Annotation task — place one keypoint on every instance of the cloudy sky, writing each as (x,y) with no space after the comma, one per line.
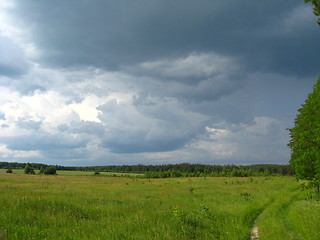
(101,82)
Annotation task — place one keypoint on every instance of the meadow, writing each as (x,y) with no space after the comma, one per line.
(76,206)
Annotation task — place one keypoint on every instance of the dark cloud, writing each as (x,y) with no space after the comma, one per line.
(65,156)
(29,124)
(209,90)
(190,69)
(110,34)
(147,128)
(83,127)
(197,77)
(142,100)
(43,142)
(146,81)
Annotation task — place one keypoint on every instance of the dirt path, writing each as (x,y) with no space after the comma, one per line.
(281,205)
(254,233)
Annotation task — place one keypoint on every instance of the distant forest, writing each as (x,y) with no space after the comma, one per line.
(172,170)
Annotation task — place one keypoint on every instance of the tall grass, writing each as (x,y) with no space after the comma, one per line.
(88,207)
(304,219)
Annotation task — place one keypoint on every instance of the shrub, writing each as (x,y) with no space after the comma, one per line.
(9,171)
(28,169)
(96,173)
(50,171)
(41,170)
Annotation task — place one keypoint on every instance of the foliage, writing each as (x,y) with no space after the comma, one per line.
(28,169)
(41,170)
(305,138)
(172,170)
(316,8)
(16,165)
(189,170)
(50,171)
(96,173)
(9,171)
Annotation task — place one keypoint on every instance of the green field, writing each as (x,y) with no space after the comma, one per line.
(90,207)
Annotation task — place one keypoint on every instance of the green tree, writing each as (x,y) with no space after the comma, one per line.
(41,170)
(28,169)
(50,171)
(305,138)
(316,8)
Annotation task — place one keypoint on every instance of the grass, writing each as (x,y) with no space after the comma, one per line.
(301,214)
(87,207)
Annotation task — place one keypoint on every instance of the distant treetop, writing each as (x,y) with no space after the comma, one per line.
(316,8)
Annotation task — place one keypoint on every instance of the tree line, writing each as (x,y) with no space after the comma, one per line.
(36,166)
(170,170)
(204,169)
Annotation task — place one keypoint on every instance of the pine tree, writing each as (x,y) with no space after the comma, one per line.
(305,138)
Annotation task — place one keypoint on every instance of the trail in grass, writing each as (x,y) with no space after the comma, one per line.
(271,221)
(254,233)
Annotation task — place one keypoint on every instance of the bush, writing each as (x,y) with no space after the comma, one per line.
(9,171)
(96,173)
(28,169)
(41,170)
(50,171)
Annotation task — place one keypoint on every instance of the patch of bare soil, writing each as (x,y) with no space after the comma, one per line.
(254,233)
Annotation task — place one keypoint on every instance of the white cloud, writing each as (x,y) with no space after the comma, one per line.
(7,4)
(87,109)
(8,154)
(50,108)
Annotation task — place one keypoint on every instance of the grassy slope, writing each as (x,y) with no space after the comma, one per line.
(87,207)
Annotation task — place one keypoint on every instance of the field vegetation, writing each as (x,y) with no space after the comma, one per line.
(165,171)
(103,207)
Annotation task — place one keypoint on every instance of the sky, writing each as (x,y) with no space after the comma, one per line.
(109,82)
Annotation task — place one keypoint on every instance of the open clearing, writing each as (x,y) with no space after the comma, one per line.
(90,207)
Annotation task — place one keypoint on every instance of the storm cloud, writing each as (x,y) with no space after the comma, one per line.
(109,82)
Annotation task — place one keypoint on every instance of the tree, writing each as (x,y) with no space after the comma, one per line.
(316,8)
(50,171)
(28,169)
(305,139)
(41,170)
(9,170)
